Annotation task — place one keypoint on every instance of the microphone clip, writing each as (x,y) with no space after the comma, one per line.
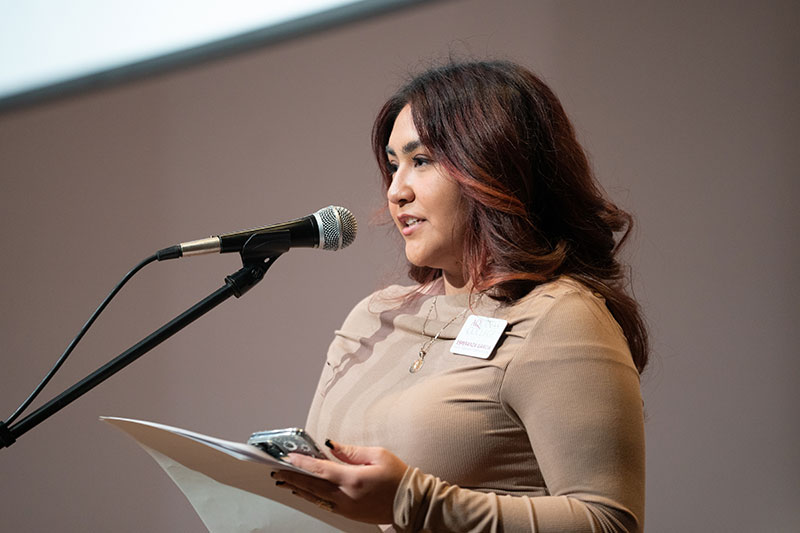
(262,246)
(258,254)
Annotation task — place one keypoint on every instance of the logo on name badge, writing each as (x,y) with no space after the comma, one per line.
(478,337)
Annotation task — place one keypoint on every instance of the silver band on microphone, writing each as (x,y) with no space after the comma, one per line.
(320,228)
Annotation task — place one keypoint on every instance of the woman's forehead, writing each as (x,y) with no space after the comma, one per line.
(404,136)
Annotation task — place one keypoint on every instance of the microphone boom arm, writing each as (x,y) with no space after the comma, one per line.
(258,254)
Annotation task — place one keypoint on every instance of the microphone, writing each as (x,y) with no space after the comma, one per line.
(330,228)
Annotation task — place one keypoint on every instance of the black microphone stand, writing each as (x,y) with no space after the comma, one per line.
(258,254)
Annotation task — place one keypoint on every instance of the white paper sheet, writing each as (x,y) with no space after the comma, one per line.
(228,483)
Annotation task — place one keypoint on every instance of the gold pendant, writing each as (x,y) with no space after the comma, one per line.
(416,365)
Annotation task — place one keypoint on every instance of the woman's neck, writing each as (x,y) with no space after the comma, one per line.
(455,284)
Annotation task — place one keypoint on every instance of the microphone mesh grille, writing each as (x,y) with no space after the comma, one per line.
(339,227)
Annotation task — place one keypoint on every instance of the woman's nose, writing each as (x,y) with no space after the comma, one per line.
(400,191)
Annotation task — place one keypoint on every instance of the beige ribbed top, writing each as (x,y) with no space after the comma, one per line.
(546,435)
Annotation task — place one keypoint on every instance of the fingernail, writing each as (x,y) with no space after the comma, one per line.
(329,444)
(279,483)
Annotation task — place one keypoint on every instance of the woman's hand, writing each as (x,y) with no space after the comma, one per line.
(362,489)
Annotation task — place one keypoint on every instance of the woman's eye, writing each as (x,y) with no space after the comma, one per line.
(421,161)
(391,167)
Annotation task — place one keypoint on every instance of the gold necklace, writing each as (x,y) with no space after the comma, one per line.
(423,350)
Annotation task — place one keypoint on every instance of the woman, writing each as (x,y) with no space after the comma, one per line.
(534,424)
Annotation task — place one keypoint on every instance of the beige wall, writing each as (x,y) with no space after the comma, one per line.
(689,111)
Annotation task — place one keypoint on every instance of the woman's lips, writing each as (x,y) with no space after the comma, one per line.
(408,230)
(409,224)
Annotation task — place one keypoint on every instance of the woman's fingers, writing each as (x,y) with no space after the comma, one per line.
(354,455)
(321,487)
(321,502)
(327,470)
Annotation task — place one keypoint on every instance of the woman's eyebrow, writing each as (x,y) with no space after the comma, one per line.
(407,148)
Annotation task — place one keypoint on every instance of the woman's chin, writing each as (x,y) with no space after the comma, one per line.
(414,256)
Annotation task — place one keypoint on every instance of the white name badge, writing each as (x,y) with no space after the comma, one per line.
(478,336)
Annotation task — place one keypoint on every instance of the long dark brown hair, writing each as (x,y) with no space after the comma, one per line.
(534,210)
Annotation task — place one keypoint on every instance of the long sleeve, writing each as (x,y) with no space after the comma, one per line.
(573,387)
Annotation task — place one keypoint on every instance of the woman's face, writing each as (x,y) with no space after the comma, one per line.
(424,202)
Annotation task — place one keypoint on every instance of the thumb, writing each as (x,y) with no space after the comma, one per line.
(352,455)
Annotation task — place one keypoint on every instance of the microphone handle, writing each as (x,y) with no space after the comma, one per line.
(303,233)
